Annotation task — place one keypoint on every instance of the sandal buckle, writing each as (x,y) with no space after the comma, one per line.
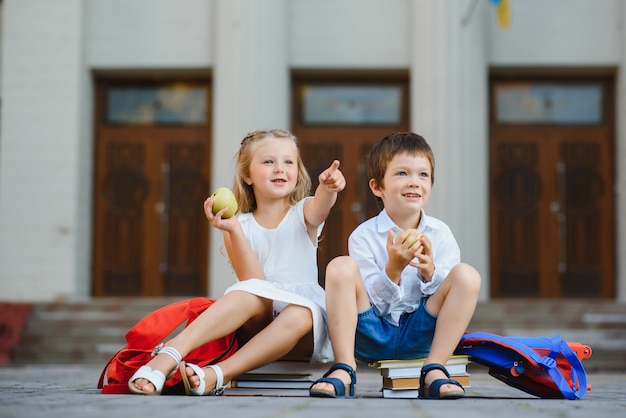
(216,392)
(156,350)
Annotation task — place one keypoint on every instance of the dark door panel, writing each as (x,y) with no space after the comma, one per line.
(551,200)
(152,175)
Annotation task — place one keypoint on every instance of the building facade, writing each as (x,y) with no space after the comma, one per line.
(118,117)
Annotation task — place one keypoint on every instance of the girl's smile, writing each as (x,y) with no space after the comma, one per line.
(274,168)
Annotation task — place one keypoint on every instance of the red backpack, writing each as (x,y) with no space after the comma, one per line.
(150,331)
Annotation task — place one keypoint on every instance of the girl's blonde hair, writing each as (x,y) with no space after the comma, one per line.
(243,192)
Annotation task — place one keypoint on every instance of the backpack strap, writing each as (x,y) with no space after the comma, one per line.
(104,370)
(579,377)
(196,306)
(548,362)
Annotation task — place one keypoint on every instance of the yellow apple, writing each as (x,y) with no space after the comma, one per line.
(413,235)
(223,197)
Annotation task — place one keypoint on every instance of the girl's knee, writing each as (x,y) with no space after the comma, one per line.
(297,317)
(243,296)
(254,304)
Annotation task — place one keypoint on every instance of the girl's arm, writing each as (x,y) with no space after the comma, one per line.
(316,210)
(244,260)
(242,257)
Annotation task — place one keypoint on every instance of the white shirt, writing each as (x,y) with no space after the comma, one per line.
(367,244)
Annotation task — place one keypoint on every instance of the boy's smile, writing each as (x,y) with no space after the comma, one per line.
(406,186)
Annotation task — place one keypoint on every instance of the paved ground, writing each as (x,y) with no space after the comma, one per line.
(70,391)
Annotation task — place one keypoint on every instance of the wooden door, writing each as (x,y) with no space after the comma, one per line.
(152,170)
(551,200)
(347,135)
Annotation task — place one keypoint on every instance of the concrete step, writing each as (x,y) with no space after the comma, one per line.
(90,332)
(87,332)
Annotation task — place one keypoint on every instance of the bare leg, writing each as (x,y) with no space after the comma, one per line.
(345,298)
(273,342)
(226,315)
(453,304)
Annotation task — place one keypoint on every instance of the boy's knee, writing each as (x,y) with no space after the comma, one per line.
(340,269)
(468,276)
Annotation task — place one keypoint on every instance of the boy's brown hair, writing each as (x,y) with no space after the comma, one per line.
(397,143)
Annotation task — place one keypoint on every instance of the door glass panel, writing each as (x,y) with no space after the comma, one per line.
(176,104)
(549,103)
(351,105)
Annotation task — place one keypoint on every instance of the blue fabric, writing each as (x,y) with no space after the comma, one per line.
(542,366)
(377,339)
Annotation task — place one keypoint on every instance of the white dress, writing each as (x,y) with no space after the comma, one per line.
(289,261)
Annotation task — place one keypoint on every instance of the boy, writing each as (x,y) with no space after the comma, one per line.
(402,292)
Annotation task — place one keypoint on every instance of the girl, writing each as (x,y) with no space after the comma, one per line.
(277,301)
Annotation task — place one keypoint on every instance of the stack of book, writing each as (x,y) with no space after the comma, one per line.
(263,382)
(401,378)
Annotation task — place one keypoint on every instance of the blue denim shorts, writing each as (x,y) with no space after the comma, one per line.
(377,339)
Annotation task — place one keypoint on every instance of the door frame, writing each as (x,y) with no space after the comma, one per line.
(559,76)
(343,218)
(105,79)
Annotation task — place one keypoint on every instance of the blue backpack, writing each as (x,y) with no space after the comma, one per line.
(547,367)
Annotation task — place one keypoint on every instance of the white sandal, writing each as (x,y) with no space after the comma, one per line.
(156,377)
(199,391)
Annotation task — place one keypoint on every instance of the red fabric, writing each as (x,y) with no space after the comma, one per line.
(151,331)
(13,317)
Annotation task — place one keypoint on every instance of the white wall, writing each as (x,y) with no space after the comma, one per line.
(1,48)
(449,107)
(41,135)
(349,34)
(149,33)
(620,163)
(559,32)
(251,91)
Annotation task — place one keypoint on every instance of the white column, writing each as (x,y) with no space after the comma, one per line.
(251,91)
(620,163)
(44,156)
(449,107)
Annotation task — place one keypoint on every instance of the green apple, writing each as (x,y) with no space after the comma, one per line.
(413,235)
(223,197)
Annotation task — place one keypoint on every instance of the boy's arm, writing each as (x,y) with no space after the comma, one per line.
(382,292)
(446,254)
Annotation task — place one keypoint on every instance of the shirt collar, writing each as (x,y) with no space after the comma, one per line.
(385,223)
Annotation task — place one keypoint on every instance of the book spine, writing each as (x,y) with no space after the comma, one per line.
(414,383)
(455,369)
